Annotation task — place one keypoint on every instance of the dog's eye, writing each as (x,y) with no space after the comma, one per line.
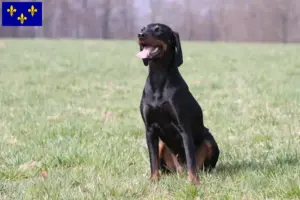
(156,29)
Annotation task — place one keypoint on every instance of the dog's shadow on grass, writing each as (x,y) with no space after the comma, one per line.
(244,166)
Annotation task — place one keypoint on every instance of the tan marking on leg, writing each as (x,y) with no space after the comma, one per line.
(178,166)
(193,177)
(169,158)
(204,152)
(155,176)
(166,155)
(161,146)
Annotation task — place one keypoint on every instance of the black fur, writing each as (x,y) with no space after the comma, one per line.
(169,110)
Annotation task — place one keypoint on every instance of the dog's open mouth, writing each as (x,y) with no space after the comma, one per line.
(151,51)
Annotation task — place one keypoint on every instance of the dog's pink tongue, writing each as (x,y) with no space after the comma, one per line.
(145,53)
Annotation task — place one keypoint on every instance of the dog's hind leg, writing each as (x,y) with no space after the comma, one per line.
(168,161)
(207,154)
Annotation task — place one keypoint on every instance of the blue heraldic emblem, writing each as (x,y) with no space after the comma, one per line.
(22,13)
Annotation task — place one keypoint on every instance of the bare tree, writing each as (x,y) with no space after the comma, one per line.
(189,19)
(285,13)
(155,9)
(106,5)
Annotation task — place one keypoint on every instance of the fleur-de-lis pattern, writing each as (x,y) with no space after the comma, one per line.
(22,14)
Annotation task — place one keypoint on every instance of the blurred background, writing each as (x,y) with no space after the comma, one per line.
(205,20)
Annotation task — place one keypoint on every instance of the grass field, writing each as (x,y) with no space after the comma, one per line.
(70,108)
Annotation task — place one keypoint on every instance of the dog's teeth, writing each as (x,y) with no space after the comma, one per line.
(155,50)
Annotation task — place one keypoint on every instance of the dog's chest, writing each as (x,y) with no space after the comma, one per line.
(169,131)
(157,98)
(156,101)
(160,113)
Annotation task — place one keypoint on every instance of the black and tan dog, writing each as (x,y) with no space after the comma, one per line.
(175,132)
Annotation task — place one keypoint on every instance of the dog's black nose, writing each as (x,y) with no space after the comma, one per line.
(142,35)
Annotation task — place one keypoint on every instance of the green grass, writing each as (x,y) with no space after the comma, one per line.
(71,108)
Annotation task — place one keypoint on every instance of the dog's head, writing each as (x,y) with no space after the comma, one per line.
(159,42)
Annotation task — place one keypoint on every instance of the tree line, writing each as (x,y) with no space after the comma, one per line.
(205,20)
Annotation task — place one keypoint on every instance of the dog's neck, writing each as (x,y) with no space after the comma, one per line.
(159,74)
(159,66)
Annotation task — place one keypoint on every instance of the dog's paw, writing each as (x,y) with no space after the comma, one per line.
(155,178)
(194,180)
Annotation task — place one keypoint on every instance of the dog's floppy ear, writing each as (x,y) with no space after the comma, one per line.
(145,61)
(178,52)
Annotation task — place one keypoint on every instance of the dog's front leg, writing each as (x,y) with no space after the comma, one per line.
(189,149)
(152,143)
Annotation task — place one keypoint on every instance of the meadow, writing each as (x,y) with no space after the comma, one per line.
(70,125)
